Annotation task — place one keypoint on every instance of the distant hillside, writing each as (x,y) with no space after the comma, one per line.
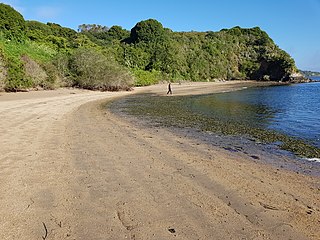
(38,55)
(310,73)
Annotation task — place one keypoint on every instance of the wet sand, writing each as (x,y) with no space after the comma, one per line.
(70,169)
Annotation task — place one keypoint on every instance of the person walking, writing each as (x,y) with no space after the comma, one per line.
(169,89)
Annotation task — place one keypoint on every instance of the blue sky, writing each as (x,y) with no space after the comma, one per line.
(294,25)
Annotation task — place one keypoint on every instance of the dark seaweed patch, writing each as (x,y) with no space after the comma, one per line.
(175,111)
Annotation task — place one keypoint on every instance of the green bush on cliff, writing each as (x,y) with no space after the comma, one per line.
(51,34)
(13,53)
(235,53)
(12,24)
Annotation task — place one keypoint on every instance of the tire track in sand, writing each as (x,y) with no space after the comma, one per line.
(31,144)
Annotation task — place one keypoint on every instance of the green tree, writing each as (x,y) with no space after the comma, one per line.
(92,28)
(104,36)
(146,31)
(12,23)
(117,33)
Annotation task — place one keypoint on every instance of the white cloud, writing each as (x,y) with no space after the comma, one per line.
(48,12)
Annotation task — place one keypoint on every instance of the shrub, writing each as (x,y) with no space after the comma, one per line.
(3,72)
(34,72)
(146,78)
(44,76)
(53,79)
(61,65)
(93,70)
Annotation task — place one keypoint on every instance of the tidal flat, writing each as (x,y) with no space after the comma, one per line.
(176,113)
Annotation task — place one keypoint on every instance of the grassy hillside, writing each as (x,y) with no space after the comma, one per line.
(38,55)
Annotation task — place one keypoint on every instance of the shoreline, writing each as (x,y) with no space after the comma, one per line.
(201,88)
(244,141)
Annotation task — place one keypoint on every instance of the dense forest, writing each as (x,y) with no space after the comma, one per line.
(34,55)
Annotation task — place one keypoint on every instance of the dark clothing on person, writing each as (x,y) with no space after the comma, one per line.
(169,89)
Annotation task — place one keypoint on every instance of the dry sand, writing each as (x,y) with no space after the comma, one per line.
(71,170)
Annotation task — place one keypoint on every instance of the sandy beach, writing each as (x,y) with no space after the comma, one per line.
(70,169)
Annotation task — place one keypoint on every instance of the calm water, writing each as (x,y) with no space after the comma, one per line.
(293,110)
(316,78)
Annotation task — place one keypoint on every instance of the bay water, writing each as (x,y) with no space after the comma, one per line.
(291,109)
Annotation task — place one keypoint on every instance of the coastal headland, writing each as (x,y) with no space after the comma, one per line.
(71,169)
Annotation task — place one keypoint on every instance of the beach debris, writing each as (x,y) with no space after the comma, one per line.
(230,149)
(171,230)
(46,231)
(266,206)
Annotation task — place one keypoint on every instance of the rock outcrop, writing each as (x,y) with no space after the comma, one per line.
(298,78)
